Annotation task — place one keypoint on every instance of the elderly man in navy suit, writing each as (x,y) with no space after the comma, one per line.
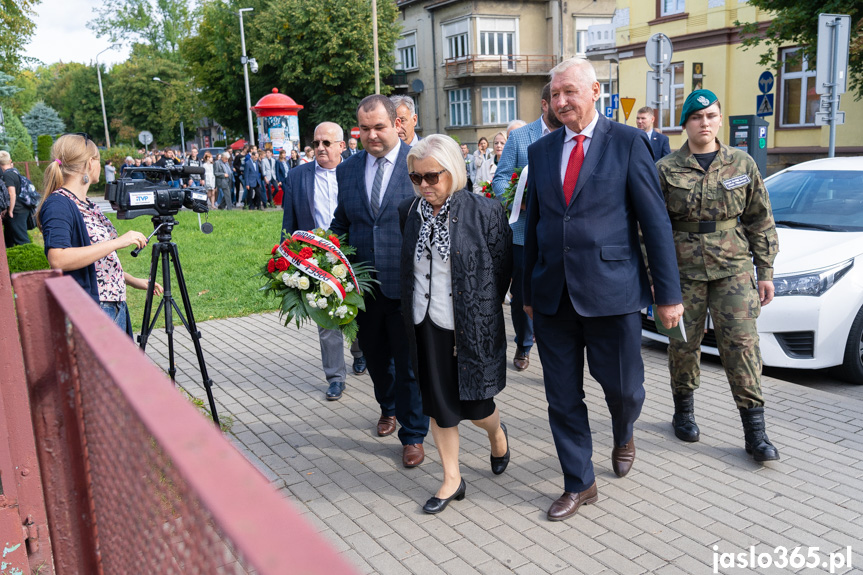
(310,196)
(591,186)
(372,184)
(644,119)
(515,156)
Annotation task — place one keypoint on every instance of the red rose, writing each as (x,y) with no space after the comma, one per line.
(306,253)
(514,177)
(282,265)
(271,266)
(335,241)
(489,195)
(286,244)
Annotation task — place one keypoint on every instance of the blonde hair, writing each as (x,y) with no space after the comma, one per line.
(69,156)
(446,152)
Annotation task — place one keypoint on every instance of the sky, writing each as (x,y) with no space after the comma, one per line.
(62,34)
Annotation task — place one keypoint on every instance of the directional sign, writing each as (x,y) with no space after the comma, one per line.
(658,51)
(627,104)
(834,33)
(765,82)
(764,105)
(609,112)
(145,138)
(615,101)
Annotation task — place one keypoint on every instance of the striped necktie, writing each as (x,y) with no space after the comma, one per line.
(376,186)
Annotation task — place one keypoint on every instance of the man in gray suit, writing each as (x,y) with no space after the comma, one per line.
(309,201)
(224,172)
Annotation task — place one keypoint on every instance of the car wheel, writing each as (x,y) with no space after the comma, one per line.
(851,369)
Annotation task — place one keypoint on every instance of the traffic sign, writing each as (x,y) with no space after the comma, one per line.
(609,111)
(145,138)
(655,90)
(627,104)
(834,34)
(764,104)
(765,82)
(615,101)
(355,132)
(658,51)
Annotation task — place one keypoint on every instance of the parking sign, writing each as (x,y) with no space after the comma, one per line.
(609,111)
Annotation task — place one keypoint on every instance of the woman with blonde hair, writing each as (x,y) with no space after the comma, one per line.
(485,172)
(456,262)
(79,239)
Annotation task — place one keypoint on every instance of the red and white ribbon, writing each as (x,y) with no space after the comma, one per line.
(314,271)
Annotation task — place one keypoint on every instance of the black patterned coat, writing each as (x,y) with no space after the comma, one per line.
(481,258)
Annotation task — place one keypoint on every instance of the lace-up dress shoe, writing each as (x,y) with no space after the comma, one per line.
(622,458)
(359,365)
(567,504)
(521,361)
(436,505)
(498,464)
(335,391)
(413,455)
(386,425)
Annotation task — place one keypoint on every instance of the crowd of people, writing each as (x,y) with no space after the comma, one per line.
(600,202)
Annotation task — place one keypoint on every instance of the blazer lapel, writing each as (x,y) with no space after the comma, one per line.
(309,187)
(597,147)
(399,174)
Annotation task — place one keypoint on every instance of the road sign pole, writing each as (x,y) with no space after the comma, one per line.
(834,79)
(659,91)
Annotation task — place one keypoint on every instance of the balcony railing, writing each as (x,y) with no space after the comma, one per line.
(477,65)
(397,78)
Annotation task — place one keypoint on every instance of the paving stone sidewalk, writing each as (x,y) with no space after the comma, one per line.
(681,507)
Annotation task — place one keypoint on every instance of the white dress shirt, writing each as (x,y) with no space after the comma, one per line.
(371,170)
(433,289)
(326,196)
(569,143)
(545,129)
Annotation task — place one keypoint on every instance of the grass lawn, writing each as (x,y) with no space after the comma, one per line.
(220,268)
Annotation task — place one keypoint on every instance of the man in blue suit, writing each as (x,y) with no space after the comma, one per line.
(591,186)
(253,181)
(372,184)
(644,119)
(515,156)
(310,196)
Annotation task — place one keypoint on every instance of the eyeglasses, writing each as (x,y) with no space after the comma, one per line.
(326,143)
(431,178)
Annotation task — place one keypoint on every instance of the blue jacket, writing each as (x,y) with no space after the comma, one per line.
(298,200)
(281,172)
(63,227)
(252,174)
(591,246)
(378,240)
(659,145)
(515,154)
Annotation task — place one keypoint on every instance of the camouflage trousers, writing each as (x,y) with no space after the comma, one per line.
(734,306)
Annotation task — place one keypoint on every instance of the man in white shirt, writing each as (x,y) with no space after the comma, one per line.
(659,145)
(310,197)
(268,171)
(406,111)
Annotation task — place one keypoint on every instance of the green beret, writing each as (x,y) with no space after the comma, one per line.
(697,100)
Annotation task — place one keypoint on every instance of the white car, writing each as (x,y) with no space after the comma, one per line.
(816,319)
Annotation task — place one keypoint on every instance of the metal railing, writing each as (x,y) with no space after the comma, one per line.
(495,65)
(135,479)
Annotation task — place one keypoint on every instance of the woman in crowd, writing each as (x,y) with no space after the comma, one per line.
(282,169)
(79,239)
(485,172)
(294,161)
(482,152)
(209,179)
(309,155)
(455,268)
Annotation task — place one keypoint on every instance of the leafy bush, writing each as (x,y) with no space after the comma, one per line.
(43,146)
(26,258)
(22,151)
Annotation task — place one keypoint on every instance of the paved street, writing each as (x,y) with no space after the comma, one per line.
(680,507)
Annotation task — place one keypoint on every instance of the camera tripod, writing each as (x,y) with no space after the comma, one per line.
(166,251)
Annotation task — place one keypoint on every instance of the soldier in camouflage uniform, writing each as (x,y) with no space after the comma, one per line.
(721,217)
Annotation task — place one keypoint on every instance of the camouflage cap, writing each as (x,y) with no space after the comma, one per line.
(697,100)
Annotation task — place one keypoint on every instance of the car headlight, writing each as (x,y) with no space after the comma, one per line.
(812,283)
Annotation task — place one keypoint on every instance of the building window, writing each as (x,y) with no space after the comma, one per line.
(456,36)
(496,43)
(671,110)
(498,105)
(799,100)
(604,97)
(580,41)
(671,7)
(406,52)
(458,46)
(459,107)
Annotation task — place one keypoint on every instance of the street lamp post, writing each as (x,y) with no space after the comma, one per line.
(245,62)
(182,130)
(102,94)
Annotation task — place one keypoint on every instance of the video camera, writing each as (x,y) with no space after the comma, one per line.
(152,191)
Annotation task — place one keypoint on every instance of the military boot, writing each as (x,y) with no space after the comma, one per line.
(755,435)
(683,421)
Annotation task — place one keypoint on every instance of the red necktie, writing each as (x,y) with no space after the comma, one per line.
(576,158)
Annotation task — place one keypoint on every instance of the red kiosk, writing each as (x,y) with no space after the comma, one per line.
(278,126)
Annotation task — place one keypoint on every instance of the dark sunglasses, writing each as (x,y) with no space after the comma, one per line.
(431,178)
(326,143)
(84,135)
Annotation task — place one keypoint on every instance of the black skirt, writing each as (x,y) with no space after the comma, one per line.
(437,374)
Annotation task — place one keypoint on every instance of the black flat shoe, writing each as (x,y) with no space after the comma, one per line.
(498,464)
(436,505)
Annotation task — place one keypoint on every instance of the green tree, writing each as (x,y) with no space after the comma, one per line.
(19,142)
(162,24)
(322,52)
(43,146)
(797,22)
(16,28)
(75,95)
(42,119)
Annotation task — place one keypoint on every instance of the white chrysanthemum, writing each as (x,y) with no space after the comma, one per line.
(340,271)
(303,283)
(310,297)
(326,290)
(286,278)
(312,261)
(332,258)
(322,303)
(349,287)
(342,311)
